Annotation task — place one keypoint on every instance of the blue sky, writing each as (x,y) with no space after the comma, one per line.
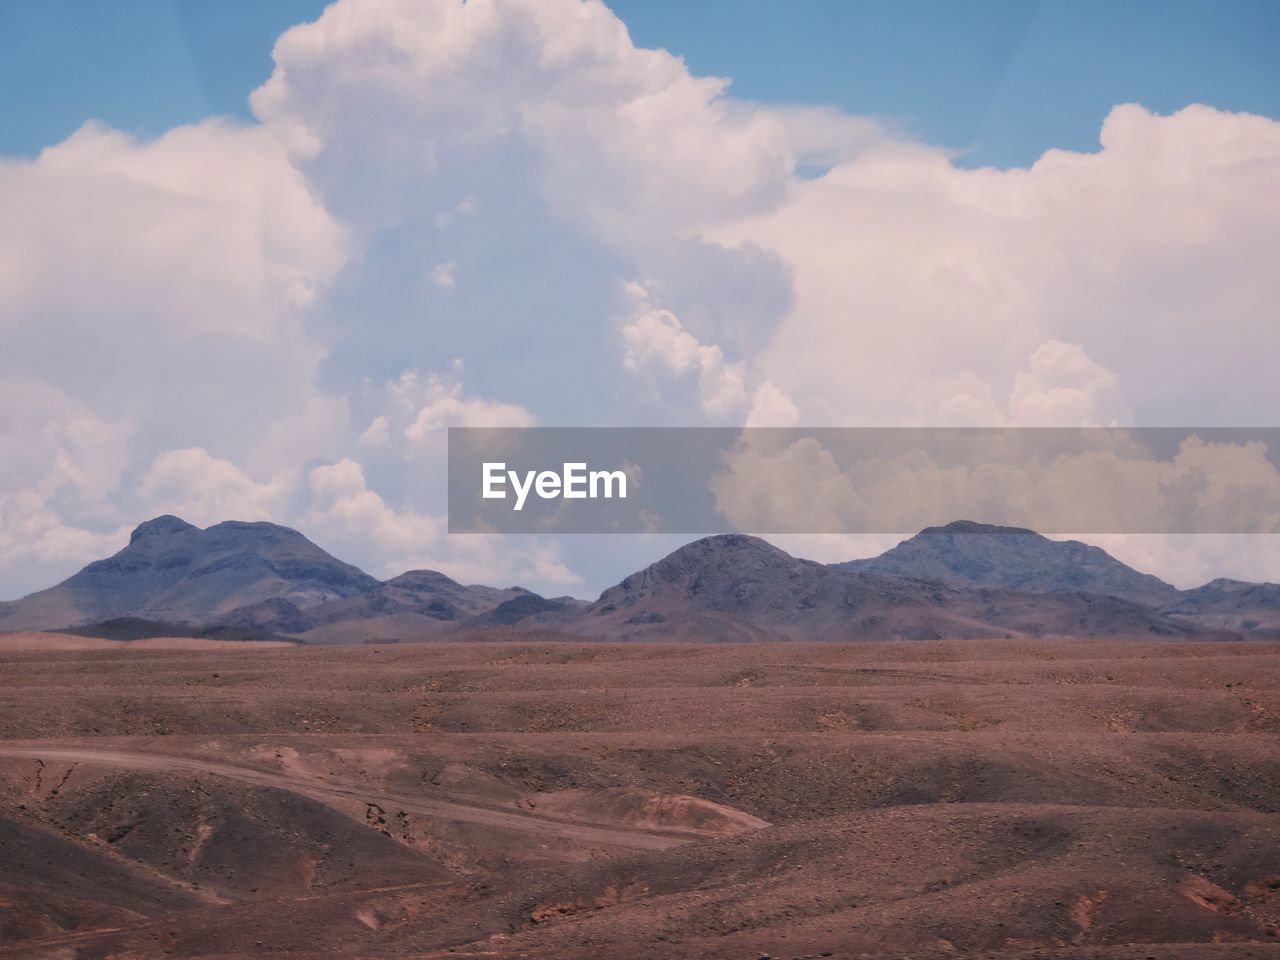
(999,80)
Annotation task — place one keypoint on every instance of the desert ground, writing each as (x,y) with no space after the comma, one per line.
(526,797)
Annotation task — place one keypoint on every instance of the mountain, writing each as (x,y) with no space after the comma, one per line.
(238,579)
(983,555)
(241,580)
(738,587)
(1230,605)
(173,572)
(420,603)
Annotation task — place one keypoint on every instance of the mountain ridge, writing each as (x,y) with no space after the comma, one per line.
(737,587)
(962,580)
(978,554)
(239,575)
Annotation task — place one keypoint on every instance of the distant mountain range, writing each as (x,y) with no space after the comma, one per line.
(240,580)
(738,587)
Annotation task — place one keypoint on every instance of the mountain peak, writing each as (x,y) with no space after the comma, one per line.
(174,572)
(973,526)
(160,526)
(985,555)
(737,549)
(723,543)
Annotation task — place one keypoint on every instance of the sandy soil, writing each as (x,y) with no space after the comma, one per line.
(569,800)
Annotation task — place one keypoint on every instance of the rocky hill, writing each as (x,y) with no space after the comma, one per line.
(245,579)
(983,555)
(177,573)
(740,588)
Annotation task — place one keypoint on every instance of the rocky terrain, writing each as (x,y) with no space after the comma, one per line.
(1010,799)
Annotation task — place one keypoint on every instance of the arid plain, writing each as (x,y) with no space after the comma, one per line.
(523,796)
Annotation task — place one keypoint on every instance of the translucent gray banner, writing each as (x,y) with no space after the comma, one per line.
(862,480)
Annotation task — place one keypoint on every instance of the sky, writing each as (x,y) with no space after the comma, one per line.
(258,256)
(1000,81)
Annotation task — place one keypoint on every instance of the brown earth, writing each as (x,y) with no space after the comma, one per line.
(37,641)
(1011,799)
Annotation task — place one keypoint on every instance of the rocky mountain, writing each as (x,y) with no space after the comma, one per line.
(177,573)
(240,580)
(983,555)
(739,588)
(245,579)
(1230,605)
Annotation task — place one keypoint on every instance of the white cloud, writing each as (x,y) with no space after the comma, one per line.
(378,434)
(656,342)
(321,429)
(622,138)
(465,207)
(203,489)
(794,484)
(206,234)
(770,407)
(436,402)
(59,464)
(444,275)
(1063,387)
(35,540)
(344,512)
(1150,256)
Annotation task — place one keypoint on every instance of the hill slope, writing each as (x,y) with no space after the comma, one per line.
(1012,558)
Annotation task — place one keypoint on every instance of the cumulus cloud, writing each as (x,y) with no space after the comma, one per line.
(910,271)
(35,539)
(622,138)
(231,305)
(344,512)
(657,342)
(204,489)
(1063,387)
(770,407)
(1108,481)
(59,463)
(433,402)
(195,252)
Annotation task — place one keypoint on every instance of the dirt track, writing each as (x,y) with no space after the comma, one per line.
(432,807)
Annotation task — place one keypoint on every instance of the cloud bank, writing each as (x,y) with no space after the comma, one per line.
(505,212)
